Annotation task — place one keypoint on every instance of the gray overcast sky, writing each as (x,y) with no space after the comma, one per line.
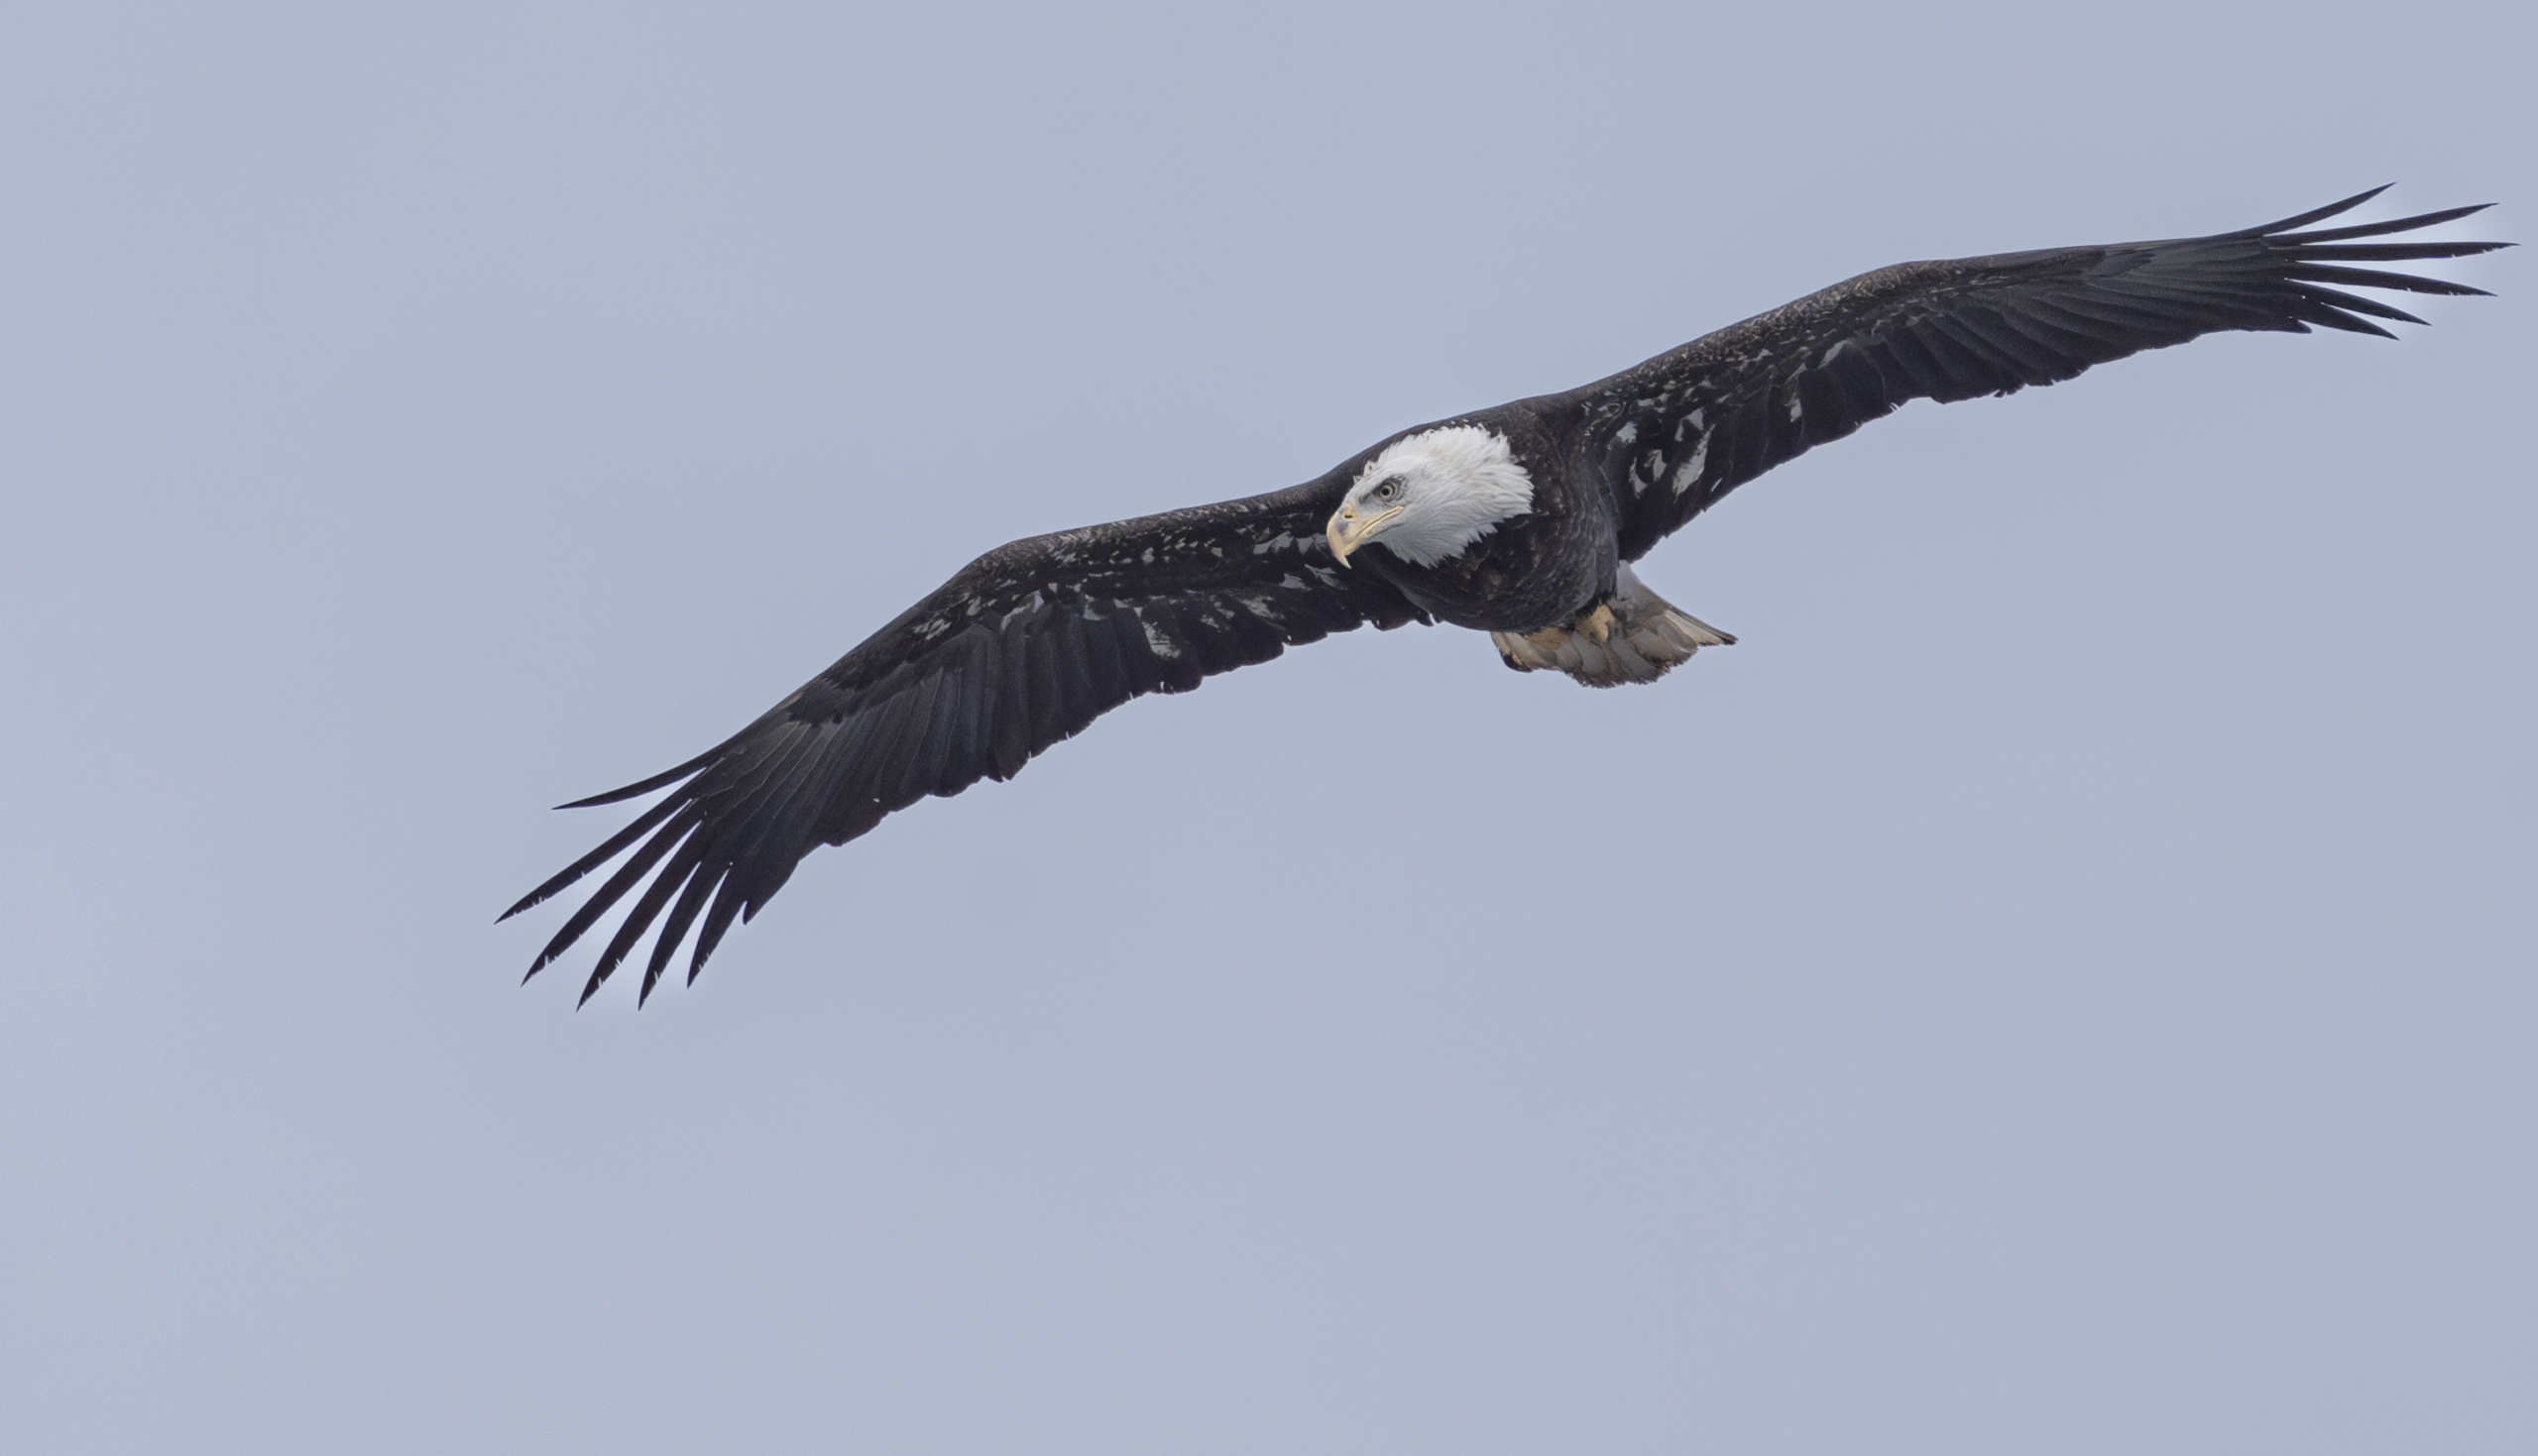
(2062,984)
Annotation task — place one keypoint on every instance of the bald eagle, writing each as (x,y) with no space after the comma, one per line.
(1520,522)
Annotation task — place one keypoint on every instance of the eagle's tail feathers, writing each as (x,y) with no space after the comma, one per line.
(1637,636)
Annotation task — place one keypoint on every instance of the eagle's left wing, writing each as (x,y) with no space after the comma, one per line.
(1026,645)
(1677,433)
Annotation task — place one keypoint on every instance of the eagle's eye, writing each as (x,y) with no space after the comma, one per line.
(1388,488)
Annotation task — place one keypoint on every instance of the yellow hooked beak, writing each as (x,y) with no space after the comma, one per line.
(1348,530)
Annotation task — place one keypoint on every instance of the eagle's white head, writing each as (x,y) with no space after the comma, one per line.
(1427,496)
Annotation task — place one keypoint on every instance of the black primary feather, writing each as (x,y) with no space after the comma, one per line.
(1025,646)
(1675,434)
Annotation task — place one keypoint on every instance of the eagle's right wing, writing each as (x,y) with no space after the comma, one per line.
(1683,429)
(1026,645)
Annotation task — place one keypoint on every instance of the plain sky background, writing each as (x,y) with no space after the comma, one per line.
(2064,984)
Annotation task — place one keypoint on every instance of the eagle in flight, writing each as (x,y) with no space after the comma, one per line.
(1520,522)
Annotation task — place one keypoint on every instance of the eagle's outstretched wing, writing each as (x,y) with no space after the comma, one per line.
(1686,427)
(1025,646)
